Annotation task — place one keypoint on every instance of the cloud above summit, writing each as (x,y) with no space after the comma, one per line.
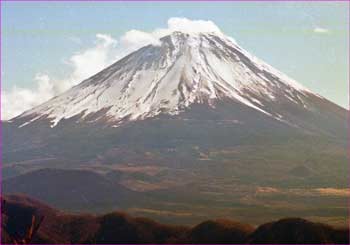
(86,62)
(135,39)
(192,26)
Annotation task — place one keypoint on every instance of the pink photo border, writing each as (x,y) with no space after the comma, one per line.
(218,1)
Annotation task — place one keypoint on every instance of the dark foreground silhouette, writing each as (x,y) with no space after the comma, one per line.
(25,220)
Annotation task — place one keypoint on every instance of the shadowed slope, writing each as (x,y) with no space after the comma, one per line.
(296,230)
(219,231)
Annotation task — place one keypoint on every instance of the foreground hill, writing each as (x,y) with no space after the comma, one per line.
(70,188)
(60,227)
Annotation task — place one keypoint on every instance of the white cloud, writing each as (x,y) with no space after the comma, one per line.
(320,30)
(135,39)
(86,63)
(105,40)
(192,26)
(90,61)
(20,99)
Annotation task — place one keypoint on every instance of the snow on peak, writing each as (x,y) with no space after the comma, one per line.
(185,68)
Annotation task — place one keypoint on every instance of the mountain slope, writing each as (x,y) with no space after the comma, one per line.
(184,69)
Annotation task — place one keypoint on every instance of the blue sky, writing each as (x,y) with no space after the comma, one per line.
(307,41)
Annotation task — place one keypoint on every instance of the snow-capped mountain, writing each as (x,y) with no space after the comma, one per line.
(184,69)
(193,120)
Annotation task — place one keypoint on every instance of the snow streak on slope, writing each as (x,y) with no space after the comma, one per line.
(184,69)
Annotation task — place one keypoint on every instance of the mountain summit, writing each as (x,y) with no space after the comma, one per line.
(185,68)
